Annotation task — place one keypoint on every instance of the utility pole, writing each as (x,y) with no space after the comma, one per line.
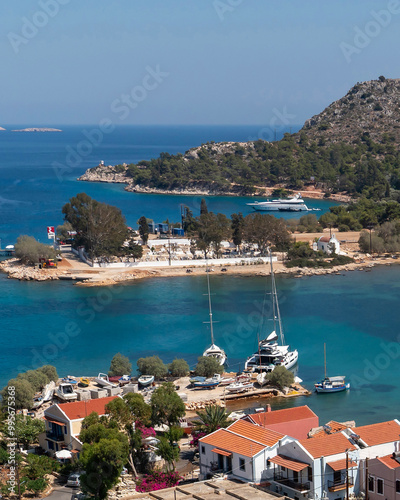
(366,480)
(347,474)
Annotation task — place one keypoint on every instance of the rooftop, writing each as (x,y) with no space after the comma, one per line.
(390,461)
(229,441)
(256,433)
(383,432)
(280,416)
(81,409)
(326,446)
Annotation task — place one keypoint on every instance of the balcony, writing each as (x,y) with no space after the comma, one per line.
(55,437)
(290,483)
(340,483)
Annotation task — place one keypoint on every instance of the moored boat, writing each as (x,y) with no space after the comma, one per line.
(294,204)
(146,380)
(237,387)
(103,380)
(331,384)
(208,382)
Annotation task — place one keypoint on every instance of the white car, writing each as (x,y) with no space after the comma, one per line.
(74,479)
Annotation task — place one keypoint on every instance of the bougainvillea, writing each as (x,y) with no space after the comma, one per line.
(157,480)
(146,431)
(196,435)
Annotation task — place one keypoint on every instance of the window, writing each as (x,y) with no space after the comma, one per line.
(268,464)
(65,429)
(242,464)
(397,486)
(371,484)
(309,473)
(203,449)
(283,469)
(379,486)
(51,445)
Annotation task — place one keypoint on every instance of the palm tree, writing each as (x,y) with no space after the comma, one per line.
(214,417)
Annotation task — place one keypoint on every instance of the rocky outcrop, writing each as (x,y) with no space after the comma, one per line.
(21,272)
(371,107)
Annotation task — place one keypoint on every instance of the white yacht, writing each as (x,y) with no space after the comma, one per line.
(213,351)
(294,204)
(272,351)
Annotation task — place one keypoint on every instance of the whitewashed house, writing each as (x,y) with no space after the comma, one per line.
(329,244)
(242,451)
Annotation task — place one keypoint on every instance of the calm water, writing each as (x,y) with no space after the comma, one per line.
(80,329)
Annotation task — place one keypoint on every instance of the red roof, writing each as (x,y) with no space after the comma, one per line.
(280,416)
(324,239)
(289,463)
(81,409)
(334,427)
(389,461)
(384,432)
(326,446)
(256,433)
(229,441)
(341,464)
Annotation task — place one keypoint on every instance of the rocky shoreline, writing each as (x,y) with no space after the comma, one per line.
(109,174)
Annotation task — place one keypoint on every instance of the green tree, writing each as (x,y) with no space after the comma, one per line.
(119,412)
(36,378)
(166,406)
(212,229)
(29,251)
(212,418)
(189,223)
(178,368)
(27,430)
(168,452)
(23,393)
(139,409)
(281,377)
(50,372)
(237,225)
(266,230)
(143,229)
(100,227)
(152,365)
(36,471)
(63,231)
(203,207)
(207,366)
(134,250)
(120,365)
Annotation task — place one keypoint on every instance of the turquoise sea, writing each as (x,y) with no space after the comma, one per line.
(80,329)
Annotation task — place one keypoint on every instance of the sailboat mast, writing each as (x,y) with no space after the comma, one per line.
(209,305)
(325,358)
(275,303)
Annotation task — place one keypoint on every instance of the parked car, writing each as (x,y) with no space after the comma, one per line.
(74,479)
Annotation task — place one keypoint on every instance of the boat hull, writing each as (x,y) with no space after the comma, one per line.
(269,207)
(327,390)
(145,381)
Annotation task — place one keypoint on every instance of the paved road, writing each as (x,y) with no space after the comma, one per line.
(62,493)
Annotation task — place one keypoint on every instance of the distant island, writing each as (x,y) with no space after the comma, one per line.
(37,130)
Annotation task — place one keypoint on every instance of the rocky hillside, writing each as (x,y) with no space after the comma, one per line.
(372,107)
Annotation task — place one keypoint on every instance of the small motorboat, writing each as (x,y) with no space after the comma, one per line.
(237,387)
(69,380)
(66,392)
(332,384)
(208,383)
(146,380)
(227,380)
(124,379)
(103,380)
(84,382)
(193,380)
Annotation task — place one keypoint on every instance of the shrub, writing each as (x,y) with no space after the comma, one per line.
(152,365)
(281,377)
(178,368)
(207,366)
(30,251)
(157,480)
(120,365)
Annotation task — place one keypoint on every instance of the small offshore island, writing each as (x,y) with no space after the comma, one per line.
(37,130)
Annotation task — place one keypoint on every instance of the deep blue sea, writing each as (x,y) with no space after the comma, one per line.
(80,329)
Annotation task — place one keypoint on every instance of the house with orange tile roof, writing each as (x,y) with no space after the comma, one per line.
(242,451)
(376,440)
(64,421)
(316,467)
(382,477)
(295,422)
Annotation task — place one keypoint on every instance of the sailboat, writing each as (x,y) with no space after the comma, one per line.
(331,384)
(272,351)
(213,351)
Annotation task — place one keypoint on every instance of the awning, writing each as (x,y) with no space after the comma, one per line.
(55,422)
(341,464)
(289,463)
(222,452)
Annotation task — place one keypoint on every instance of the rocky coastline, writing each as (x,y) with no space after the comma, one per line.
(110,174)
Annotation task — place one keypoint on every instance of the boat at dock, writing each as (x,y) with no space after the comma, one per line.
(270,353)
(331,384)
(213,351)
(294,204)
(237,387)
(208,383)
(66,392)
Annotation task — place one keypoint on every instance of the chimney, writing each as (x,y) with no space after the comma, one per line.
(268,408)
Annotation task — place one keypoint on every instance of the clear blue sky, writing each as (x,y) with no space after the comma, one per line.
(228,61)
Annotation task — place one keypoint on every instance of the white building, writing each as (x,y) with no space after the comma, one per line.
(242,451)
(329,244)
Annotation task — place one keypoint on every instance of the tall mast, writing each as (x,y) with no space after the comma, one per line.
(209,305)
(275,303)
(325,358)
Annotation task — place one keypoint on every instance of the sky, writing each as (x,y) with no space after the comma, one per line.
(262,62)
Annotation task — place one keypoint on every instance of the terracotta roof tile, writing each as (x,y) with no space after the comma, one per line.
(327,445)
(389,461)
(81,409)
(341,464)
(335,427)
(281,416)
(259,434)
(289,463)
(383,432)
(228,441)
